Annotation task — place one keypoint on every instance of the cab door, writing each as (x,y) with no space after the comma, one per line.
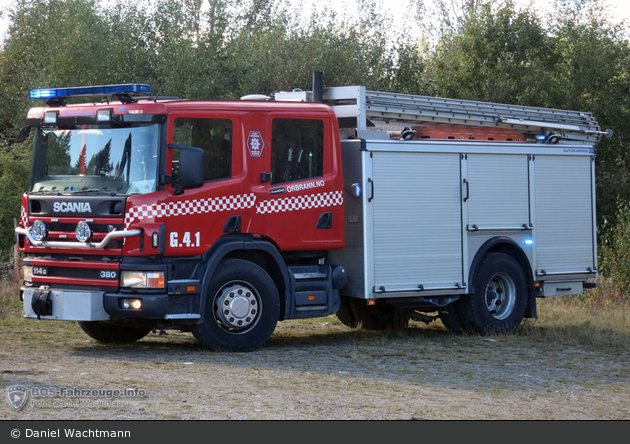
(197,217)
(302,206)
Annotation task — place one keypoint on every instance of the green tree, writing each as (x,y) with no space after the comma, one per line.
(348,50)
(493,52)
(577,59)
(594,75)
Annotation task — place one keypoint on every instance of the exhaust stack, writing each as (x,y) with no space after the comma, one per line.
(318,87)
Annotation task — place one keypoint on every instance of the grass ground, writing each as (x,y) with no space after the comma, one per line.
(569,363)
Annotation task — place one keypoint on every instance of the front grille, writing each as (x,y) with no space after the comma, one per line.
(77,257)
(51,266)
(82,273)
(96,228)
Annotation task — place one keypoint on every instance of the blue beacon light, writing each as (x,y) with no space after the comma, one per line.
(86,91)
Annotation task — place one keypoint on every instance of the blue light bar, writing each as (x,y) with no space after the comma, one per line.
(45,93)
(86,91)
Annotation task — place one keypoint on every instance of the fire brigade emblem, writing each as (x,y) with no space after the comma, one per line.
(255,144)
(17,396)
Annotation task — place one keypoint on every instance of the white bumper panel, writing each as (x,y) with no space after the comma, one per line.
(68,305)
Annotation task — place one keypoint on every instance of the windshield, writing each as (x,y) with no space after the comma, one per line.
(95,159)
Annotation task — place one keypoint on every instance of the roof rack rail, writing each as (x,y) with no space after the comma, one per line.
(360,108)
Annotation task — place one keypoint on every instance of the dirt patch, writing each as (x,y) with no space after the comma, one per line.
(316,369)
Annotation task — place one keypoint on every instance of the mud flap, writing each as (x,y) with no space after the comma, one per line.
(530,310)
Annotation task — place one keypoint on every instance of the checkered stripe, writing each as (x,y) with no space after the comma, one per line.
(186,207)
(24,217)
(330,199)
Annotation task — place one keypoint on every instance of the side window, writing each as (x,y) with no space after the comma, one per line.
(214,136)
(297,149)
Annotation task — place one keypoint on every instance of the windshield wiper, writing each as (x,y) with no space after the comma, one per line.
(93,191)
(46,192)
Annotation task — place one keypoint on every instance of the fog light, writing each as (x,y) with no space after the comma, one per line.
(134,304)
(83,231)
(38,230)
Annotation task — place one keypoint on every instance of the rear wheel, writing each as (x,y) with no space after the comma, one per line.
(500,297)
(345,314)
(451,319)
(242,308)
(113,333)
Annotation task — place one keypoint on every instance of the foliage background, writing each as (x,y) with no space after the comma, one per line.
(489,50)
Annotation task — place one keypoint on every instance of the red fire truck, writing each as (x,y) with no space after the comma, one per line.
(223,218)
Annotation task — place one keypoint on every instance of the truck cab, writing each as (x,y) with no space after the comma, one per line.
(134,203)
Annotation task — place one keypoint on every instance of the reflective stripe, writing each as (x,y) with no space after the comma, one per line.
(24,217)
(329,199)
(195,206)
(239,202)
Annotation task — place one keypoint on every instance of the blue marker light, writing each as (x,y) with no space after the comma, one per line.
(541,137)
(528,242)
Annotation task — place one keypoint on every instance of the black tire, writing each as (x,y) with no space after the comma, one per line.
(499,299)
(451,318)
(345,314)
(113,333)
(250,308)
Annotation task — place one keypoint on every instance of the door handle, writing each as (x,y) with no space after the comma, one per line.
(467,185)
(371,182)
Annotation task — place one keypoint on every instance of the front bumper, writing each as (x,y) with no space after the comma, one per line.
(64,305)
(80,305)
(154,306)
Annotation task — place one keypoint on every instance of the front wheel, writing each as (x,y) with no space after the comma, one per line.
(500,296)
(242,308)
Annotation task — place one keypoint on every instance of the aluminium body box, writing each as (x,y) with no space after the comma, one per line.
(420,213)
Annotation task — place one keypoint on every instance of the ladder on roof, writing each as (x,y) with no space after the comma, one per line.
(355,106)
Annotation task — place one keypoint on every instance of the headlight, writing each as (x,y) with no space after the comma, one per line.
(142,279)
(38,230)
(27,271)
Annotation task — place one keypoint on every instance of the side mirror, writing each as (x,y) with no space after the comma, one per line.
(24,133)
(191,162)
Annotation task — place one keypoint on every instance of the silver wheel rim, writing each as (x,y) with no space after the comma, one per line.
(237,307)
(500,296)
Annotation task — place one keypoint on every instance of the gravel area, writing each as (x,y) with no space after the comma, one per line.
(311,370)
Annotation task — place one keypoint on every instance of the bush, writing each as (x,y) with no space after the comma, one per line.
(10,305)
(615,254)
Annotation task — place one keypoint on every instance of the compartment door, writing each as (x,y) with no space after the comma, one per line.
(417,221)
(497,192)
(565,239)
